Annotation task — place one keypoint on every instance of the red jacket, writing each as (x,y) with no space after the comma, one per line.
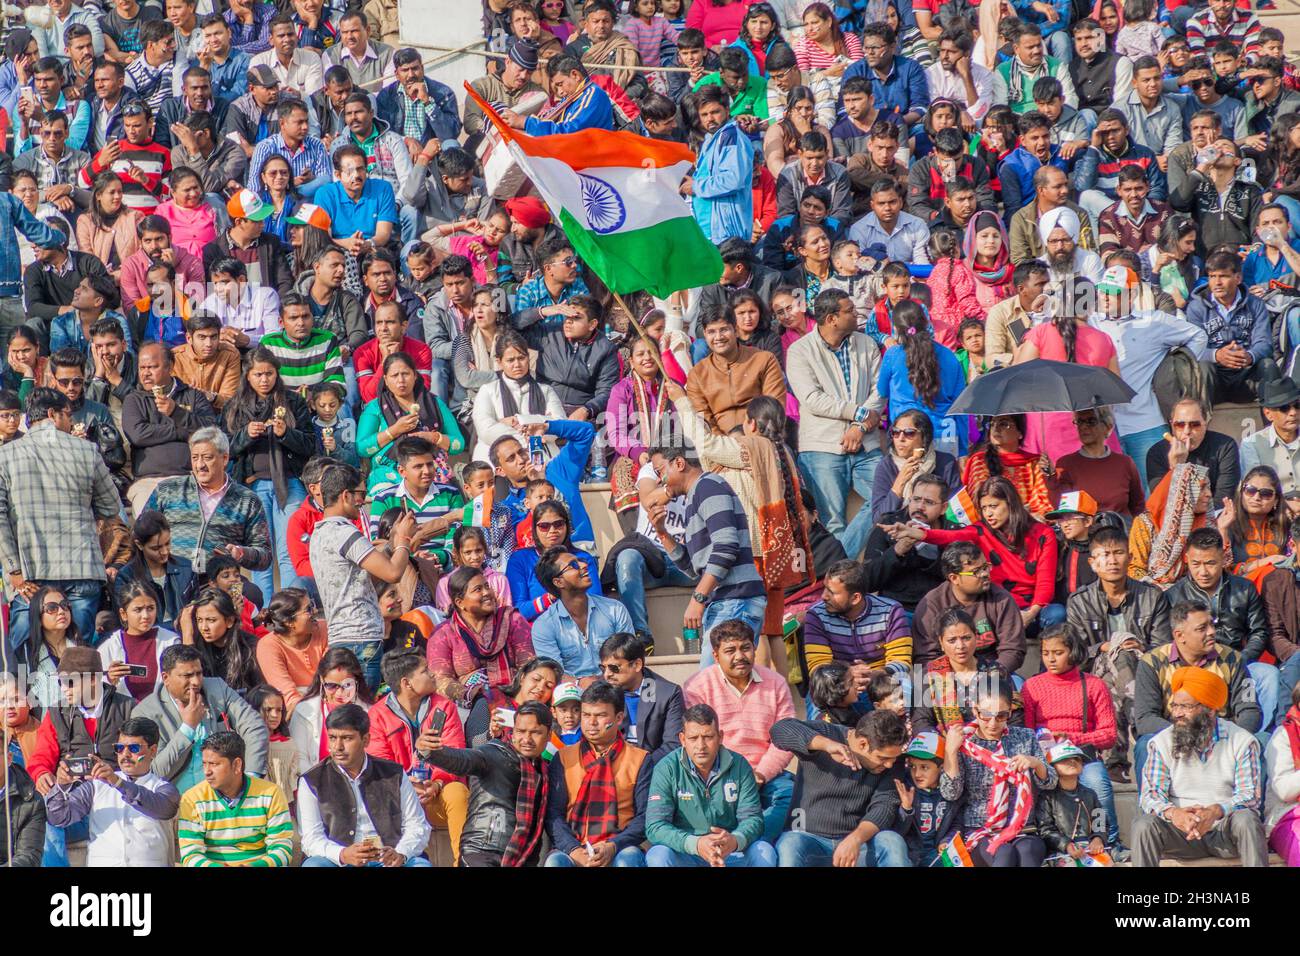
(390,735)
(368,364)
(298,536)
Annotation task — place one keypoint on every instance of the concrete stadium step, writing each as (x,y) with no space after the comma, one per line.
(1237,421)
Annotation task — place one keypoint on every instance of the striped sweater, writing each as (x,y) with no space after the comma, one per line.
(314,360)
(880,635)
(255,830)
(153,160)
(1204,31)
(717,540)
(440,500)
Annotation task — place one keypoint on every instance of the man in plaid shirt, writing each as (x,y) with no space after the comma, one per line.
(1202,781)
(53,487)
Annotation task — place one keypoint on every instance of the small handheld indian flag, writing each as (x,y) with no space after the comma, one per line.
(478,511)
(553,747)
(955,853)
(1095,859)
(961,509)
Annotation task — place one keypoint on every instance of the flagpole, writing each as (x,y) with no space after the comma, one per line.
(508,134)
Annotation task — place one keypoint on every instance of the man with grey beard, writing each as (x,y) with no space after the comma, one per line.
(1201,787)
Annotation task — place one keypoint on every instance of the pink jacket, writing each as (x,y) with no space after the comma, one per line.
(746,719)
(952,299)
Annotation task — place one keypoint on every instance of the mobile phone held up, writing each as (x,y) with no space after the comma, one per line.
(535,454)
(438,721)
(137,670)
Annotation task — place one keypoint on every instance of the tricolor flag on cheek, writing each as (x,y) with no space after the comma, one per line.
(961,509)
(955,853)
(615,195)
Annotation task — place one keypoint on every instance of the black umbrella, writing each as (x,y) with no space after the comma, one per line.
(1041,386)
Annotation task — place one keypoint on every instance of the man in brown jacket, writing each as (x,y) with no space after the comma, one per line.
(722,384)
(205,363)
(999,631)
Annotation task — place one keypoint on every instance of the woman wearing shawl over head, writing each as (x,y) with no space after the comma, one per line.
(998,769)
(1176,507)
(987,249)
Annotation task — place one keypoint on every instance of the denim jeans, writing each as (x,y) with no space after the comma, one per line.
(409,222)
(440,379)
(1140,748)
(1268,691)
(315,861)
(759,853)
(83,598)
(278,519)
(800,849)
(629,856)
(634,579)
(353,404)
(368,653)
(830,477)
(749,610)
(776,796)
(1096,779)
(1289,676)
(1061,46)
(1138,444)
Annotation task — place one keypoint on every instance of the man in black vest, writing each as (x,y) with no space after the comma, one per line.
(86,725)
(1101,77)
(357,810)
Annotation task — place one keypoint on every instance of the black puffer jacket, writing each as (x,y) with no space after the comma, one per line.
(28,826)
(494,772)
(1239,617)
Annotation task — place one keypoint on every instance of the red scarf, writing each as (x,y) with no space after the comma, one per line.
(530,813)
(1000,824)
(594,814)
(1292,725)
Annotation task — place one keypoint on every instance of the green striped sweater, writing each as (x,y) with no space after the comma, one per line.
(318,359)
(442,499)
(255,830)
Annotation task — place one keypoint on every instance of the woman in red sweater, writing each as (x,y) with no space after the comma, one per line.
(1067,704)
(1021,550)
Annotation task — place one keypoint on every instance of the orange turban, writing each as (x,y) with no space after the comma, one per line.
(1209,689)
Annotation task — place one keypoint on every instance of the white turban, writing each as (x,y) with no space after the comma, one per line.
(1062,217)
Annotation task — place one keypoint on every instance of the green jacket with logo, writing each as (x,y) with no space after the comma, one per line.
(683,806)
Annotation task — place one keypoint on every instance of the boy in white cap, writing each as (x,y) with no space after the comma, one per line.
(566,704)
(1070,819)
(926,817)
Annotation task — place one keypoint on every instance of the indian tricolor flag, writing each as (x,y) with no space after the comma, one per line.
(961,509)
(955,853)
(553,747)
(615,195)
(478,512)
